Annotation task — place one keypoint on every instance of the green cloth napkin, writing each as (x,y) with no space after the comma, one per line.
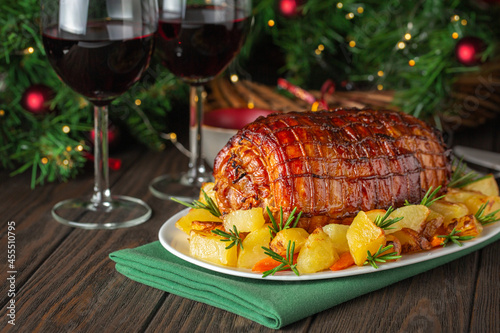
(271,303)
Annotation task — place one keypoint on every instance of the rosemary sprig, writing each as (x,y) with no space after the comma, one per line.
(379,257)
(196,204)
(429,199)
(460,177)
(454,238)
(488,219)
(385,223)
(291,221)
(285,263)
(232,236)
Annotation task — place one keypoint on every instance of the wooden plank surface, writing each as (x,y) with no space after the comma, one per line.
(67,283)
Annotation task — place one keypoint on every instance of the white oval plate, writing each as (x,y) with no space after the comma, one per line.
(176,242)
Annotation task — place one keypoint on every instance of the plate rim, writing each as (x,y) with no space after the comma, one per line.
(168,234)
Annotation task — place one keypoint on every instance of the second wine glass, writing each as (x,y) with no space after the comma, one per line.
(196,41)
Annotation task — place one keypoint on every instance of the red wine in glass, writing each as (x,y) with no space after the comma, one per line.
(196,42)
(201,45)
(104,62)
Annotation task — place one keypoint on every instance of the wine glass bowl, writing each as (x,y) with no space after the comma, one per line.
(196,41)
(100,49)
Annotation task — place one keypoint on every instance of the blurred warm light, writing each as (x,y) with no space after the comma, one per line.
(411,62)
(464,22)
(340,5)
(380,73)
(66,129)
(380,87)
(454,35)
(138,102)
(44,160)
(407,36)
(352,43)
(401,45)
(234,78)
(349,16)
(360,10)
(270,23)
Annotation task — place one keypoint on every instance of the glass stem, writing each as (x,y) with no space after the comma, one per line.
(197,171)
(102,194)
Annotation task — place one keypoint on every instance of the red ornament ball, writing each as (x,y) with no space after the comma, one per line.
(468,50)
(290,8)
(36,99)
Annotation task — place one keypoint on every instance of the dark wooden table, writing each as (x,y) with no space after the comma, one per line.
(65,281)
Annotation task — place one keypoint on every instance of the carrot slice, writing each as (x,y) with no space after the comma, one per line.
(436,241)
(265,264)
(345,261)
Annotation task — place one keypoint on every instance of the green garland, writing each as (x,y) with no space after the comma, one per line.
(353,41)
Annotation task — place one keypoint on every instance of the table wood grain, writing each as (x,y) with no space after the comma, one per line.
(65,281)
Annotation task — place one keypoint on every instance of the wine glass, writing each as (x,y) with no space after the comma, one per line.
(196,41)
(100,48)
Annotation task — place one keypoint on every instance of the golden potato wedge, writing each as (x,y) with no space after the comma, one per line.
(411,241)
(486,185)
(362,236)
(208,246)
(449,210)
(317,254)
(414,217)
(252,250)
(280,242)
(468,225)
(244,220)
(337,233)
(458,195)
(475,202)
(184,223)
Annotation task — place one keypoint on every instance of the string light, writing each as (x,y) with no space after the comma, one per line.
(65,162)
(79,148)
(407,36)
(411,63)
(173,136)
(455,18)
(138,102)
(340,5)
(454,35)
(29,50)
(463,22)
(380,87)
(360,10)
(270,23)
(2,113)
(349,16)
(250,105)
(44,160)
(401,45)
(68,148)
(234,78)
(321,47)
(352,43)
(66,129)
(380,73)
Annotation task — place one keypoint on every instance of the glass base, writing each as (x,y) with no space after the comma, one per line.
(121,212)
(176,186)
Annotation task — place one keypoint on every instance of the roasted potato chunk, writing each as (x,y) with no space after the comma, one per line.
(414,217)
(252,250)
(467,225)
(475,202)
(185,222)
(280,241)
(245,220)
(486,185)
(208,246)
(449,210)
(317,253)
(337,233)
(362,236)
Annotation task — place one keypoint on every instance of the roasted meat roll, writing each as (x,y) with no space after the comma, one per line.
(330,164)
